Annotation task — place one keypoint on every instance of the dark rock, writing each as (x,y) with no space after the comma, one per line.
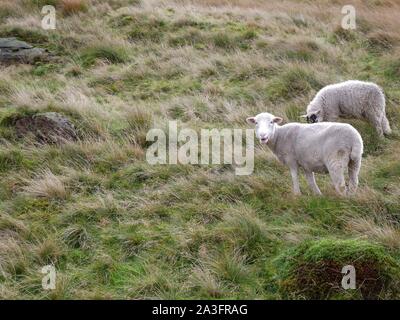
(15,51)
(49,127)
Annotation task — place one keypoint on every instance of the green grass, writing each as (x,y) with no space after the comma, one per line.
(110,54)
(117,227)
(292,83)
(312,270)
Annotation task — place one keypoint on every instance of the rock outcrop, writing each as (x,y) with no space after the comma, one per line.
(16,51)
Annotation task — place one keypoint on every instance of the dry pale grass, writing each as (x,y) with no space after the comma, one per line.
(76,237)
(13,258)
(323,14)
(381,232)
(224,225)
(101,202)
(203,279)
(48,251)
(11,227)
(8,292)
(46,185)
(32,97)
(73,6)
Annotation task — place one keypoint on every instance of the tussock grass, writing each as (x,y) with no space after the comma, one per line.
(14,260)
(11,227)
(116,227)
(76,237)
(231,267)
(384,233)
(49,251)
(46,185)
(203,280)
(312,270)
(293,83)
(139,123)
(106,53)
(73,6)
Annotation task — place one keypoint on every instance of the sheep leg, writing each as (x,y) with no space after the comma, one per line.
(353,170)
(336,172)
(385,125)
(376,122)
(295,180)
(338,181)
(311,182)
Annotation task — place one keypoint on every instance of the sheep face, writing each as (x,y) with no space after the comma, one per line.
(265,126)
(314,116)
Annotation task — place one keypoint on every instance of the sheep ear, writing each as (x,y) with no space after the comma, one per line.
(251,120)
(317,112)
(277,120)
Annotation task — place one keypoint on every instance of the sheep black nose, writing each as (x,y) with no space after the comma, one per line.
(312,119)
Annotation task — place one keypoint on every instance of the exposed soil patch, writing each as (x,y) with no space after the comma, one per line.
(49,127)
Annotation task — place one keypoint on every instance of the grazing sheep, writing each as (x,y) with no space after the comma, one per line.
(320,147)
(350,98)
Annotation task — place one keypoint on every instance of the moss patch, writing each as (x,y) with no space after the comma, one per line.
(312,270)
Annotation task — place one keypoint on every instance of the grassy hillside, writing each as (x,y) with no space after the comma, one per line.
(116,227)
